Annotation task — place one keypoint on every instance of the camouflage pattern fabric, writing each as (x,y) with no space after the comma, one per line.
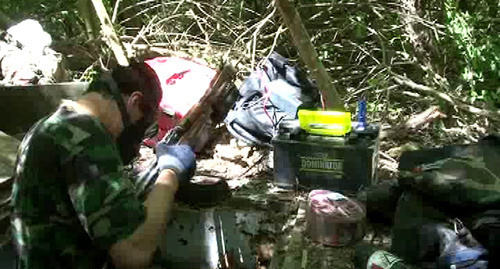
(468,179)
(70,201)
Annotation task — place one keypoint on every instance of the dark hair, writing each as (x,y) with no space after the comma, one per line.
(138,76)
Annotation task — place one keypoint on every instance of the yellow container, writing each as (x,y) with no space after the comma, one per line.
(328,123)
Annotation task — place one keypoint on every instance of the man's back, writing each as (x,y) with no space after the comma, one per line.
(69,196)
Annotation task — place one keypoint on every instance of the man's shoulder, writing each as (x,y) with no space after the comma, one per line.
(70,129)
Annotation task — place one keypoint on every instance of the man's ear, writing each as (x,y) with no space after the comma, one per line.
(134,105)
(135,100)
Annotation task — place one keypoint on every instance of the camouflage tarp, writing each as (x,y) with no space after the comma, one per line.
(8,153)
(442,184)
(9,146)
(468,179)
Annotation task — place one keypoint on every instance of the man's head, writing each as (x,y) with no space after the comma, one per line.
(137,92)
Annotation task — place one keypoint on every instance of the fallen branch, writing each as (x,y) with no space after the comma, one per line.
(491,114)
(388,165)
(136,50)
(415,122)
(388,157)
(256,33)
(425,117)
(201,117)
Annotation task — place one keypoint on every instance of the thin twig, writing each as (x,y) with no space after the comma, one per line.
(385,155)
(256,33)
(144,11)
(275,41)
(261,158)
(196,18)
(115,11)
(138,4)
(364,51)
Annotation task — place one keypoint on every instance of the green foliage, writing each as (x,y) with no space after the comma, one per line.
(474,27)
(90,74)
(360,42)
(60,18)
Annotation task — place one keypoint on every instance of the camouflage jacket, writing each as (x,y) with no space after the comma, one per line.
(470,178)
(70,200)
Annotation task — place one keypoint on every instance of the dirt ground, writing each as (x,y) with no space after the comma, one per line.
(248,172)
(248,169)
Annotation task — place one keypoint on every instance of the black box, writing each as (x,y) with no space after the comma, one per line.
(344,164)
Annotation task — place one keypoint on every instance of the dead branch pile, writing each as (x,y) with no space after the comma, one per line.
(386,50)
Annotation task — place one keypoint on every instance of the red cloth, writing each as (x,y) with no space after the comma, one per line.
(183,83)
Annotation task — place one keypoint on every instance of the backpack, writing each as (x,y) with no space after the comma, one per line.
(273,92)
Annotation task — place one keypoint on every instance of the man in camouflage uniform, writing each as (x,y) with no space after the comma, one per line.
(72,206)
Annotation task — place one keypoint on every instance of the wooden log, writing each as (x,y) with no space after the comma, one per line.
(109,32)
(88,15)
(415,122)
(301,39)
(205,114)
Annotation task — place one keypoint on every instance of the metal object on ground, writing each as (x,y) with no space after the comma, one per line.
(334,219)
(211,238)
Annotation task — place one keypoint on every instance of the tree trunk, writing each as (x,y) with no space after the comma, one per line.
(89,18)
(421,37)
(301,39)
(109,32)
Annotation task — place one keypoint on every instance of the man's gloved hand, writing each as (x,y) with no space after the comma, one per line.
(179,158)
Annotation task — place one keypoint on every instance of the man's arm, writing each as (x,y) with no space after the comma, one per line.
(137,250)
(107,204)
(177,164)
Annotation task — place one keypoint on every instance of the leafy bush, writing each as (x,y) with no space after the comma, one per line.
(474,26)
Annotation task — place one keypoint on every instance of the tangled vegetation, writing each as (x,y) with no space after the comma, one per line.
(403,55)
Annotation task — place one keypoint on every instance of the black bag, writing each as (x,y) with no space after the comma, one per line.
(442,184)
(486,229)
(425,236)
(270,94)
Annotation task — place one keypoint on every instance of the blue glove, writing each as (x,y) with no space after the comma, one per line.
(179,158)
